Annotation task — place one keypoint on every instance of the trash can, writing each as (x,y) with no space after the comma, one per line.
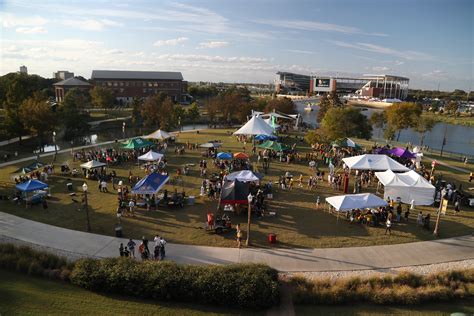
(118,231)
(191,200)
(69,187)
(272,238)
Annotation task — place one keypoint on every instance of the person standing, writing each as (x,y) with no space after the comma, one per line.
(131,245)
(131,206)
(419,219)
(162,248)
(456,207)
(399,212)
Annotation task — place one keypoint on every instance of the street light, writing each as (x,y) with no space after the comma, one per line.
(123,129)
(249,198)
(55,147)
(84,188)
(179,123)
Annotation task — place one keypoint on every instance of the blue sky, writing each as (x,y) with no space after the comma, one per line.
(429,41)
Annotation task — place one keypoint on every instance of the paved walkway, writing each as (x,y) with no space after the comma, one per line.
(447,165)
(285,260)
(96,123)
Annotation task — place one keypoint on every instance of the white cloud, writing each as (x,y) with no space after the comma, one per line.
(31,30)
(315,26)
(399,62)
(438,74)
(300,51)
(381,68)
(408,54)
(90,24)
(10,20)
(170,42)
(213,44)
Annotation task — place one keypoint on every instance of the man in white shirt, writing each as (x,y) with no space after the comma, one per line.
(103,186)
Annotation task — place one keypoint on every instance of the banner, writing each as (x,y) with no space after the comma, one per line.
(444,206)
(323,83)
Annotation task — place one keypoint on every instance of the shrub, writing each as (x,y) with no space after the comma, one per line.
(27,260)
(405,288)
(250,286)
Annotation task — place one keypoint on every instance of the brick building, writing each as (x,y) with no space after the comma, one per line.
(126,85)
(62,87)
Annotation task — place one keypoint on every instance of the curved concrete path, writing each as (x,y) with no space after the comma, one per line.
(285,260)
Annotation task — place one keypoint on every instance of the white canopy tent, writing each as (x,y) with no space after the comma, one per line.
(158,134)
(373,162)
(151,156)
(409,186)
(93,164)
(355,201)
(255,126)
(242,176)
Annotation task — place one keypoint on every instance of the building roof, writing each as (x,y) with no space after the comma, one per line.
(72,82)
(137,75)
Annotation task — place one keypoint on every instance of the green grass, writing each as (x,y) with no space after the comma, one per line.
(27,295)
(462,119)
(298,223)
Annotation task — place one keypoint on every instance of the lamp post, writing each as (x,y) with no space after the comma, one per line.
(123,129)
(55,147)
(179,123)
(249,198)
(84,188)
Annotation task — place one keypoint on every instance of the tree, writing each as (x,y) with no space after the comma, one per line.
(345,122)
(315,136)
(73,115)
(36,115)
(403,115)
(451,107)
(151,110)
(424,124)
(284,105)
(167,118)
(334,100)
(324,105)
(192,113)
(137,118)
(102,97)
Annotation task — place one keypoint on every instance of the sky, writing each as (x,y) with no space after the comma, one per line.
(428,41)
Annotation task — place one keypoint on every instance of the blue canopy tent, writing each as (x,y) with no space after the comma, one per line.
(30,186)
(224,155)
(266,137)
(150,184)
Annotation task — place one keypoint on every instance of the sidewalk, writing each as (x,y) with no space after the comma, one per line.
(285,260)
(441,163)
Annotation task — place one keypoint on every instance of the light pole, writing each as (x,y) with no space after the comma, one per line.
(179,123)
(123,129)
(438,218)
(84,188)
(55,147)
(249,198)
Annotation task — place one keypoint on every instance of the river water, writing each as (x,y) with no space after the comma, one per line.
(459,139)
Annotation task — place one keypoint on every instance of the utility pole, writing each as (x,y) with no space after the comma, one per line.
(86,206)
(444,139)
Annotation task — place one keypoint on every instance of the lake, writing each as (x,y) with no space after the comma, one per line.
(459,139)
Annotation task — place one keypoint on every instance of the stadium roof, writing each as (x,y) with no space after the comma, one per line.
(72,82)
(137,75)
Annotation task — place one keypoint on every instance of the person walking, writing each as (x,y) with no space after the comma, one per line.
(239,236)
(131,245)
(399,212)
(388,223)
(131,206)
(456,207)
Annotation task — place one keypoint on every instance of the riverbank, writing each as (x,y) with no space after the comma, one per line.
(463,120)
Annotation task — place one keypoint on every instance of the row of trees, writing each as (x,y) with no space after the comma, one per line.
(235,105)
(456,95)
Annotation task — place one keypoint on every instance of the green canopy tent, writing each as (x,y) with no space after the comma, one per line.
(30,168)
(347,143)
(273,145)
(137,143)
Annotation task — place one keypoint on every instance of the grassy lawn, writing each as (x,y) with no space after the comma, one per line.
(298,223)
(25,295)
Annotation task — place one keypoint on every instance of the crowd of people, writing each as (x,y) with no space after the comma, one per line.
(143,249)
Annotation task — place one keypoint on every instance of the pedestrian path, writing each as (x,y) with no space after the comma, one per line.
(285,260)
(448,165)
(96,123)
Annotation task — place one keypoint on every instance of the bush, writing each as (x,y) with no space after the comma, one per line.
(405,288)
(27,260)
(249,285)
